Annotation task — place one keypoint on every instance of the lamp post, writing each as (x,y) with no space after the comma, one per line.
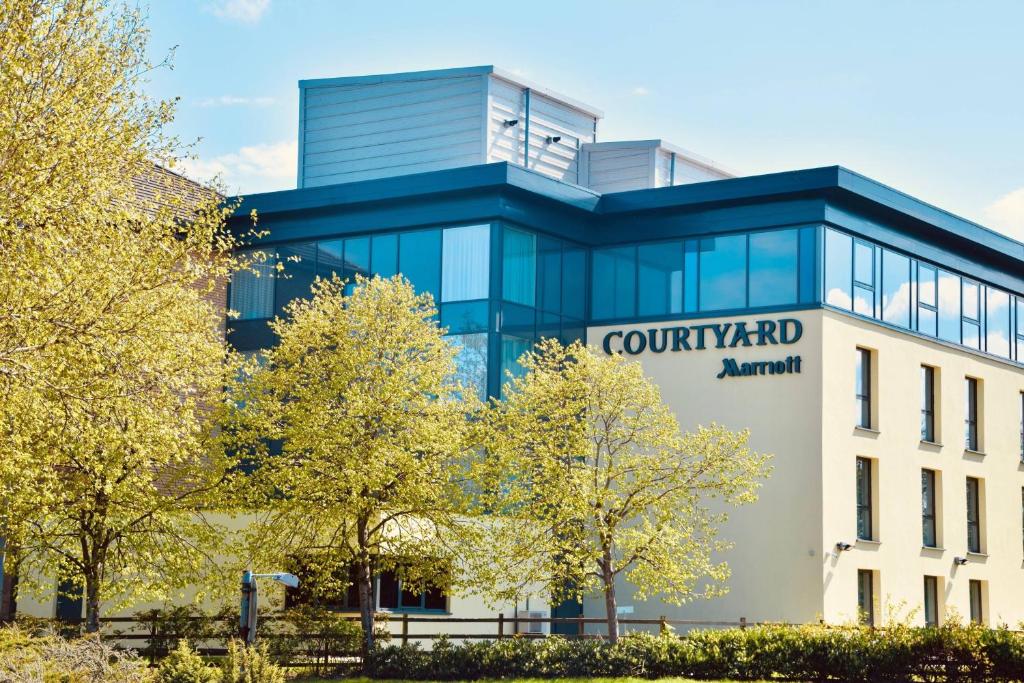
(250,600)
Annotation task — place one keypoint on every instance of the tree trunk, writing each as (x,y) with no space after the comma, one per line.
(367,607)
(9,576)
(92,601)
(611,609)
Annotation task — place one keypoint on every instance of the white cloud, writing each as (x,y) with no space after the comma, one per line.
(235,101)
(1006,214)
(254,168)
(640,91)
(242,11)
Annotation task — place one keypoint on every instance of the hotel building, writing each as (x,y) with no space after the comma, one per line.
(872,342)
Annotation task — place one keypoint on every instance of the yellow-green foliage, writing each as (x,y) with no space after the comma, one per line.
(184,665)
(247,664)
(360,393)
(595,479)
(111,354)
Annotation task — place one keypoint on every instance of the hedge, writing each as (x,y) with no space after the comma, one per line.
(797,653)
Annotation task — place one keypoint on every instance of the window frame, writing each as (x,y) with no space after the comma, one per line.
(931,590)
(975,597)
(973,516)
(928,432)
(972,440)
(866,596)
(863,388)
(929,499)
(865,479)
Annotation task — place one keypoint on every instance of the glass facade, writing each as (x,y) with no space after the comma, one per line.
(500,288)
(879,283)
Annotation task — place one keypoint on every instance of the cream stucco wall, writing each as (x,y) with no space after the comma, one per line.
(778,553)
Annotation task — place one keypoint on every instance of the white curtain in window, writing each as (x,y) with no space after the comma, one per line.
(465,263)
(252,293)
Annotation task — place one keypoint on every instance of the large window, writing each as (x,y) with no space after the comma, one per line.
(465,264)
(773,268)
(252,289)
(895,288)
(929,532)
(866,596)
(384,255)
(927,403)
(971,442)
(864,500)
(838,270)
(931,601)
(660,283)
(863,278)
(862,390)
(419,258)
(949,307)
(973,515)
(471,361)
(997,322)
(393,595)
(519,267)
(927,300)
(613,290)
(971,315)
(723,272)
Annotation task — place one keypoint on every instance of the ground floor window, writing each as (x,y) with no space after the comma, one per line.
(866,596)
(977,615)
(931,601)
(339,590)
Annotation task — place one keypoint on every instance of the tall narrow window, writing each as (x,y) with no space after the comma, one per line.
(973,515)
(864,511)
(931,601)
(866,596)
(1020,402)
(929,537)
(927,403)
(252,289)
(975,596)
(519,265)
(863,389)
(927,302)
(971,414)
(863,278)
(971,311)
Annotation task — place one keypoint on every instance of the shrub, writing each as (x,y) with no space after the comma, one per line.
(953,652)
(48,657)
(184,665)
(247,664)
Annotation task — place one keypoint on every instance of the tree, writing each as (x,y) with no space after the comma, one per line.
(111,350)
(356,430)
(589,479)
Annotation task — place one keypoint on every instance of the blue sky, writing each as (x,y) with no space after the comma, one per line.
(925,96)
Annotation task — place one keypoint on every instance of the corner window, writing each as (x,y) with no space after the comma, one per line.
(929,530)
(974,544)
(862,393)
(928,403)
(865,506)
(971,440)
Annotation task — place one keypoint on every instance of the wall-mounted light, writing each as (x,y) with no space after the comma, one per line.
(554,138)
(511,122)
(842,546)
(959,561)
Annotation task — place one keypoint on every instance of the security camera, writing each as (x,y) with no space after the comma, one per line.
(960,561)
(554,138)
(511,122)
(842,546)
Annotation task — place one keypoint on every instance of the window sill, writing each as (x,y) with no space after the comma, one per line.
(414,611)
(969,451)
(867,430)
(933,548)
(868,541)
(931,444)
(982,556)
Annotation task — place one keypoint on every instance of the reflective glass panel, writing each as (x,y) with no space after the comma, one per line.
(690,271)
(773,268)
(997,322)
(357,257)
(299,261)
(419,258)
(464,317)
(971,308)
(949,306)
(863,264)
(574,279)
(466,263)
(838,269)
(660,271)
(330,258)
(808,261)
(614,283)
(471,361)
(519,267)
(511,349)
(384,261)
(895,289)
(723,272)
(549,274)
(252,290)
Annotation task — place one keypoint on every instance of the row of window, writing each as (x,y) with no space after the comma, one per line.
(867,580)
(972,393)
(747,270)
(872,281)
(389,593)
(867,511)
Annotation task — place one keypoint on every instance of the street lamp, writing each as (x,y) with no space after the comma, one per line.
(250,595)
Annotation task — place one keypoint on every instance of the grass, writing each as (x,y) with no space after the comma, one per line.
(514,680)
